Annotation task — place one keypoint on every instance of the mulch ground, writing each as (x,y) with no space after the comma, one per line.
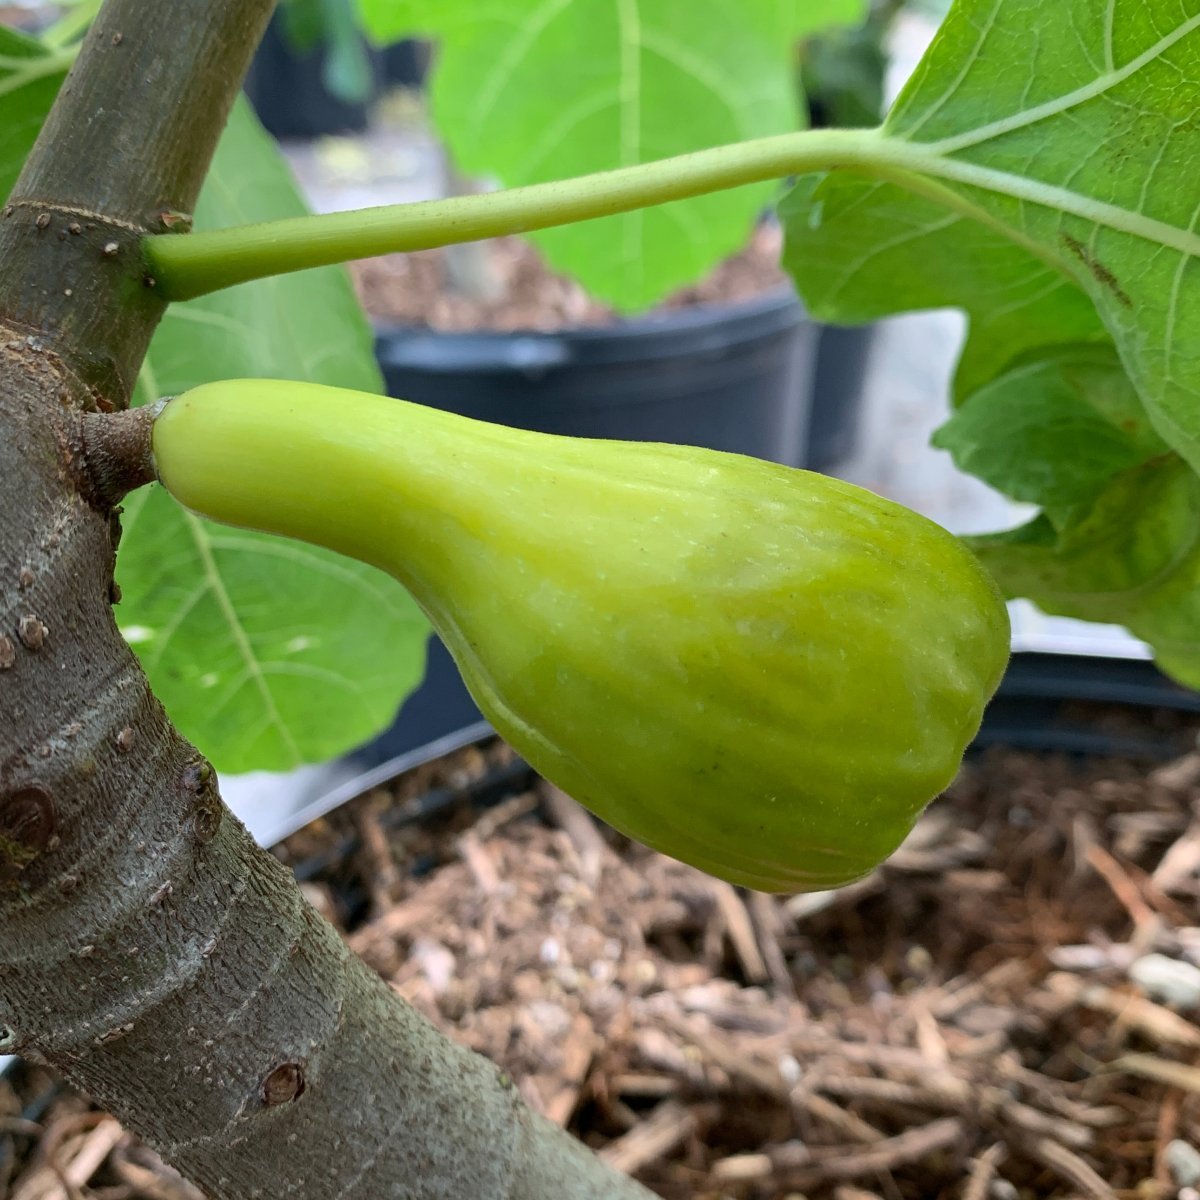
(1008,1009)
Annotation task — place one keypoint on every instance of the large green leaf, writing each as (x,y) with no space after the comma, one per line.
(30,76)
(1054,430)
(533,90)
(266,653)
(860,250)
(1133,560)
(1068,130)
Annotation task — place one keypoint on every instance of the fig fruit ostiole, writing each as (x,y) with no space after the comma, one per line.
(763,672)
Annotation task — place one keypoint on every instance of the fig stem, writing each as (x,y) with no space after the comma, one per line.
(196,264)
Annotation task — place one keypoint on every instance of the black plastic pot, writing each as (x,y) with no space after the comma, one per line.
(286,88)
(730,377)
(406,63)
(441,706)
(836,408)
(1065,703)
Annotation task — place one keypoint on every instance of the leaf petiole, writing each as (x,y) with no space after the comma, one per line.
(199,263)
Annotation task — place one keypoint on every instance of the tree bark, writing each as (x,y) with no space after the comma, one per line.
(148,949)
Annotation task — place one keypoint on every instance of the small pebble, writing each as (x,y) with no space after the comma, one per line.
(1169,980)
(644,972)
(918,960)
(790,1070)
(1183,1161)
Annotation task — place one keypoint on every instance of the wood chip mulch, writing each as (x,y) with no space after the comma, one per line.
(1007,1010)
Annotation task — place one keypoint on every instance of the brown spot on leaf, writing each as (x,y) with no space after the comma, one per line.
(1099,272)
(284,1084)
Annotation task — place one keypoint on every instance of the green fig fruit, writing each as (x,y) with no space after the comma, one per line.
(763,672)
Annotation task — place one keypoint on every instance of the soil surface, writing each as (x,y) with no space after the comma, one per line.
(1007,1010)
(503,284)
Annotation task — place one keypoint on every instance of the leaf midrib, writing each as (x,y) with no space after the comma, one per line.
(926,161)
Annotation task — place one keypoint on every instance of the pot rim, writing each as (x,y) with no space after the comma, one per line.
(669,333)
